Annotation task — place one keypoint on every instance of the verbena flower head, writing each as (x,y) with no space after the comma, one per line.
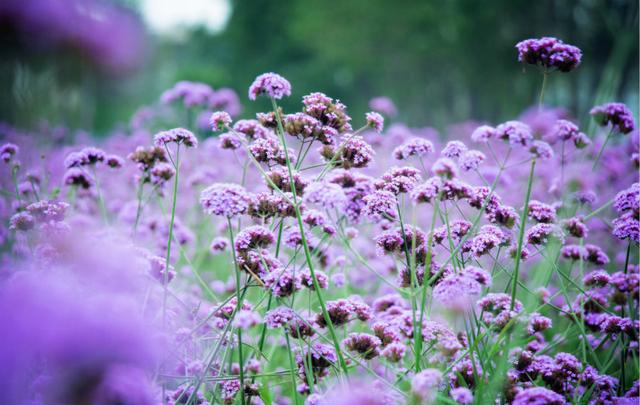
(375,121)
(270,84)
(380,204)
(483,134)
(615,114)
(471,160)
(413,147)
(383,105)
(425,383)
(454,149)
(550,53)
(8,151)
(219,120)
(462,395)
(178,136)
(516,132)
(541,150)
(364,344)
(399,180)
(328,195)
(538,395)
(223,199)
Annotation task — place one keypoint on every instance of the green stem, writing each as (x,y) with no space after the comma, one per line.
(170,238)
(545,74)
(305,245)
(293,368)
(238,308)
(595,163)
(523,222)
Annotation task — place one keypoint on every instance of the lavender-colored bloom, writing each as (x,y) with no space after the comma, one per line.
(279,317)
(227,200)
(353,152)
(380,204)
(219,244)
(22,221)
(8,151)
(541,212)
(445,167)
(628,200)
(426,192)
(179,136)
(253,237)
(413,147)
(331,113)
(161,173)
(229,141)
(616,114)
(573,252)
(246,319)
(550,53)
(78,178)
(271,84)
(483,134)
(457,292)
(516,132)
(471,160)
(219,120)
(375,121)
(565,130)
(541,150)
(114,161)
(283,282)
(394,352)
(540,234)
(496,309)
(596,255)
(462,395)
(383,105)
(329,196)
(575,227)
(626,227)
(158,270)
(538,396)
(363,343)
(252,129)
(425,383)
(454,149)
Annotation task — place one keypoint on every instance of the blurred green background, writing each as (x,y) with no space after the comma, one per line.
(441,62)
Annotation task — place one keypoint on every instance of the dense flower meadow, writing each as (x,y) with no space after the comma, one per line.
(311,257)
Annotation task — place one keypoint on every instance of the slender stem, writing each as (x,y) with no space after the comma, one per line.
(545,74)
(238,308)
(595,163)
(139,207)
(165,280)
(523,222)
(293,368)
(305,245)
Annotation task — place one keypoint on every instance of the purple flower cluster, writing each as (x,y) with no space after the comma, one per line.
(550,53)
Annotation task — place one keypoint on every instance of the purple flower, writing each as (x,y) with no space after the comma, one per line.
(245,319)
(219,120)
(394,352)
(445,167)
(252,129)
(22,221)
(596,255)
(227,200)
(380,204)
(176,135)
(78,178)
(483,134)
(575,227)
(8,151)
(329,112)
(471,160)
(329,196)
(541,212)
(457,292)
(454,149)
(253,237)
(538,396)
(219,244)
(413,147)
(462,395)
(363,343)
(375,121)
(270,84)
(628,200)
(616,114)
(383,105)
(516,132)
(550,53)
(541,150)
(114,161)
(496,309)
(229,141)
(158,270)
(540,234)
(283,282)
(626,227)
(279,317)
(426,192)
(425,383)
(353,152)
